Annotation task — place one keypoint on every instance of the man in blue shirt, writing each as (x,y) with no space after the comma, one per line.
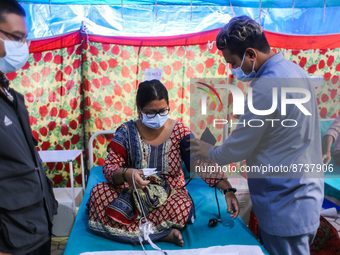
(279,137)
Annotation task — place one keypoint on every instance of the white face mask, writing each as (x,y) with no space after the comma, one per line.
(16,56)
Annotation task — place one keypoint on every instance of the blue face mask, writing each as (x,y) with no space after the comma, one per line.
(240,75)
(155,122)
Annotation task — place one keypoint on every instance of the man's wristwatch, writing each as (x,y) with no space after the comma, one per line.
(228,190)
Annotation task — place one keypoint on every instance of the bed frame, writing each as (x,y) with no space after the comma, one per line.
(196,236)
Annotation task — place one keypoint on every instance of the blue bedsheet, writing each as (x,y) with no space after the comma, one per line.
(198,235)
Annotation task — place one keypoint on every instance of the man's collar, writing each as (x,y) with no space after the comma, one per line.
(4,82)
(271,61)
(4,87)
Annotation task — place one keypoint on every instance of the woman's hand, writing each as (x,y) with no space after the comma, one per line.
(232,204)
(140,183)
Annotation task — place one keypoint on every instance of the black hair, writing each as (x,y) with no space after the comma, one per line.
(149,91)
(10,6)
(241,33)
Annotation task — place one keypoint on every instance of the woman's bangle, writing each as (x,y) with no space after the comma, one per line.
(123,173)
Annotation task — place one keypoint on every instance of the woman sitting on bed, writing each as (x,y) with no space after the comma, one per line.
(152,141)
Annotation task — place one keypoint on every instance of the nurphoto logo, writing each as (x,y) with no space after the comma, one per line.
(281,97)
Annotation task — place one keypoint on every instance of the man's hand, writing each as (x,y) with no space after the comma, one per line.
(328,140)
(232,203)
(199,148)
(326,157)
(230,198)
(139,181)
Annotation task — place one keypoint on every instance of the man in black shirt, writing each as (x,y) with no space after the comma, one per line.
(27,203)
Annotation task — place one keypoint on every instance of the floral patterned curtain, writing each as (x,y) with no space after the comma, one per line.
(75,87)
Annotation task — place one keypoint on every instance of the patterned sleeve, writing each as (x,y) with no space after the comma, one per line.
(112,163)
(334,130)
(117,157)
(210,172)
(207,170)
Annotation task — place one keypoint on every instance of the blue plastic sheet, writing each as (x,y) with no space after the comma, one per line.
(239,3)
(46,20)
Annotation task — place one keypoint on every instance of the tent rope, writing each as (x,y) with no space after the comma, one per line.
(121,11)
(50,7)
(232,8)
(190,10)
(324,11)
(260,11)
(156,8)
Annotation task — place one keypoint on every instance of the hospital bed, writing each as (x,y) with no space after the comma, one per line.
(231,234)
